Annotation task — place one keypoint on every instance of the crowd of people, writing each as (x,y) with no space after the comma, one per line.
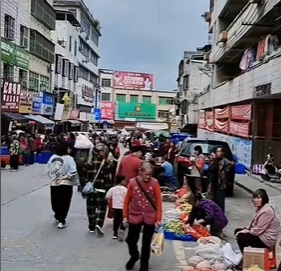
(132,183)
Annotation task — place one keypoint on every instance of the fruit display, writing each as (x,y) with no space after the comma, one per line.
(175,226)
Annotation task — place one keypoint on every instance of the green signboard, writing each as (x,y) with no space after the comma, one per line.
(136,111)
(14,54)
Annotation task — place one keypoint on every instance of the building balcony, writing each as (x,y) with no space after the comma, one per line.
(242,87)
(231,9)
(41,47)
(244,32)
(44,13)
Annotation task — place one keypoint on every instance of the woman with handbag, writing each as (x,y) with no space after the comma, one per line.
(142,209)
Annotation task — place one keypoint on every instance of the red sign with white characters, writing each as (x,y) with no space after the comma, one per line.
(11,93)
(107,110)
(241,129)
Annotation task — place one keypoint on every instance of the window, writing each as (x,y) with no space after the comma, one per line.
(8,71)
(146,99)
(44,83)
(94,58)
(163,114)
(85,25)
(85,50)
(9,27)
(34,81)
(186,82)
(41,47)
(105,97)
(23,77)
(93,78)
(70,44)
(106,83)
(95,37)
(23,36)
(44,13)
(134,98)
(83,73)
(75,48)
(166,101)
(121,97)
(71,71)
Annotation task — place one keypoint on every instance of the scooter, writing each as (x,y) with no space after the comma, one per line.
(271,172)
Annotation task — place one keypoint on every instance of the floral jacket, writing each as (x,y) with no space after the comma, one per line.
(224,167)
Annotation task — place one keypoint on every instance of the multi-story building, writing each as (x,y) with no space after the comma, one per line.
(135,100)
(243,104)
(83,43)
(193,78)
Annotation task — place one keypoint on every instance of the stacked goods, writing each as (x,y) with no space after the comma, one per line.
(175,220)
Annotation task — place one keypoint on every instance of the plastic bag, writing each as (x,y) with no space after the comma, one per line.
(230,256)
(83,142)
(209,248)
(88,188)
(110,212)
(157,244)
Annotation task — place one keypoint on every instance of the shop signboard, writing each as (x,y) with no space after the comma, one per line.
(11,93)
(14,54)
(26,102)
(107,110)
(136,111)
(36,105)
(86,95)
(132,80)
(48,102)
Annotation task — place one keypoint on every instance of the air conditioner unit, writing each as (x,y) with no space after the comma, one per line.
(61,43)
(87,37)
(223,37)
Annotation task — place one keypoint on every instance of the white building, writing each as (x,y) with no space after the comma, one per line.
(193,78)
(85,44)
(106,85)
(246,63)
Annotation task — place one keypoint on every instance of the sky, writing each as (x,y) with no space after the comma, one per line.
(149,36)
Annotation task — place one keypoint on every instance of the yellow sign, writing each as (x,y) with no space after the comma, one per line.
(67,107)
(26,100)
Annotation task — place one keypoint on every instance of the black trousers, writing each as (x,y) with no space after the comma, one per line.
(133,238)
(279,267)
(31,157)
(14,162)
(248,240)
(118,221)
(61,198)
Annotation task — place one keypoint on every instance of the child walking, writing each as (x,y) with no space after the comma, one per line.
(117,194)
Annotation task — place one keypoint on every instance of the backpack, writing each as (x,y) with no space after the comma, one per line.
(81,157)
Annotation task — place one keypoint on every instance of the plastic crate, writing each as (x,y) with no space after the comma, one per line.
(4,150)
(240,169)
(44,157)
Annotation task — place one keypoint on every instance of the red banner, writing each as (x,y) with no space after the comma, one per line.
(74,114)
(107,110)
(241,129)
(241,112)
(210,120)
(222,113)
(201,120)
(221,126)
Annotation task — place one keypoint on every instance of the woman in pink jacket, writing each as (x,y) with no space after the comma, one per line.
(263,230)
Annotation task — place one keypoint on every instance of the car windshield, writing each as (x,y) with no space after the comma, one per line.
(207,148)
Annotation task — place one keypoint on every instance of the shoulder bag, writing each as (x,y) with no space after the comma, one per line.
(147,196)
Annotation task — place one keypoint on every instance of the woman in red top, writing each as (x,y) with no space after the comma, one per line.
(142,209)
(171,153)
(38,144)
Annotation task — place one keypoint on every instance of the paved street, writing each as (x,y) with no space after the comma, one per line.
(30,240)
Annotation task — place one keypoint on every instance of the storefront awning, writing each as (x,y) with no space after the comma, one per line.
(15,116)
(75,122)
(46,122)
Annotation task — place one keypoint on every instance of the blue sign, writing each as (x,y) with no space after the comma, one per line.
(97,114)
(48,99)
(36,105)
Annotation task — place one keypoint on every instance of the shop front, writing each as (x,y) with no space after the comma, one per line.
(128,114)
(74,125)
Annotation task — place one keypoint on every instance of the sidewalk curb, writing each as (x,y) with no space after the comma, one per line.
(266,183)
(250,191)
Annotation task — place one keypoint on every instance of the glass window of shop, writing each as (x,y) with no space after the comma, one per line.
(34,81)
(146,99)
(166,101)
(105,97)
(44,83)
(134,98)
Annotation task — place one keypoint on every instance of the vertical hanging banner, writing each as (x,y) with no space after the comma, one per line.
(210,120)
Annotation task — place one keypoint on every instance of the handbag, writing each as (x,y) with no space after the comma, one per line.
(89,187)
(147,196)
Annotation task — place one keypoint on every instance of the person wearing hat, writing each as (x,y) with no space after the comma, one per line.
(98,172)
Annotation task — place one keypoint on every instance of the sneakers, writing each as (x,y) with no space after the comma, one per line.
(99,231)
(62,225)
(114,236)
(121,236)
(92,231)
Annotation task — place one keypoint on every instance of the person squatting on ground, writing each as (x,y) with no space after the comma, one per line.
(117,195)
(98,172)
(62,171)
(142,209)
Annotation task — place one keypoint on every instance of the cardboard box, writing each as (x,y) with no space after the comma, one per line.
(253,256)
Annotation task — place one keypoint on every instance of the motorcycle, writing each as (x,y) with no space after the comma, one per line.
(271,172)
(125,141)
